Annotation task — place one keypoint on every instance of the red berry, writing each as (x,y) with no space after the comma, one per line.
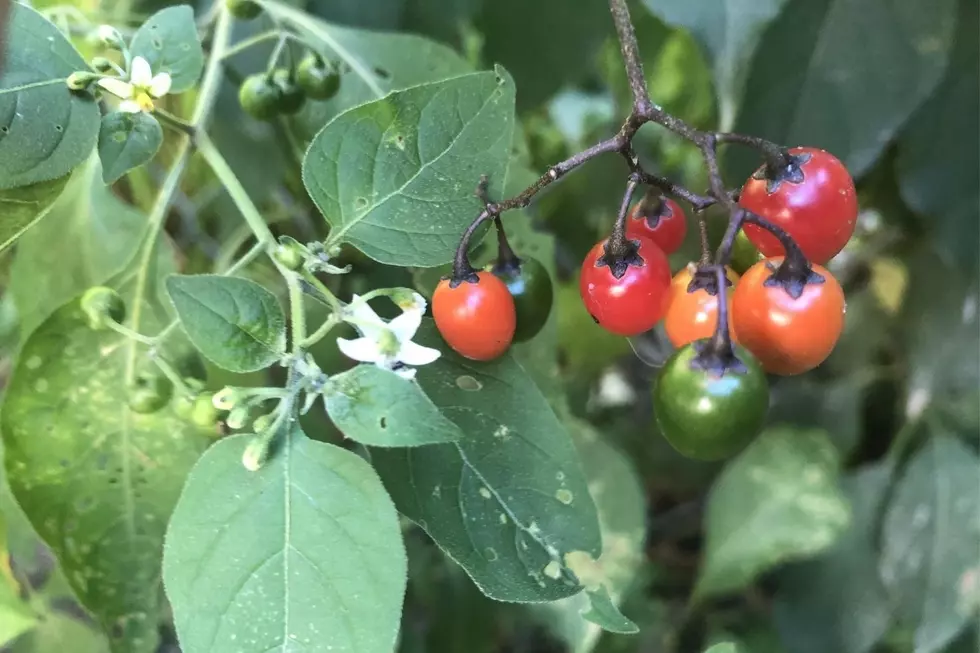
(814,201)
(661,220)
(626,295)
(476,318)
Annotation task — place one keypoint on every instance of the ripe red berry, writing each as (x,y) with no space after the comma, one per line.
(476,318)
(661,220)
(626,295)
(813,200)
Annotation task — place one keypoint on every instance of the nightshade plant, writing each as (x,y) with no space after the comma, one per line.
(169,483)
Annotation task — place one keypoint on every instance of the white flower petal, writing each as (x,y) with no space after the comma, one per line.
(405,325)
(360,349)
(117,87)
(160,85)
(361,315)
(140,73)
(130,106)
(415,354)
(407,373)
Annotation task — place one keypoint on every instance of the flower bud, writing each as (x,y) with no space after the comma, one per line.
(225,399)
(237,418)
(110,37)
(103,65)
(80,80)
(256,454)
(263,423)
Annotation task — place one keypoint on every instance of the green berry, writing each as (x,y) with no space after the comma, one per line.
(203,413)
(149,393)
(243,9)
(319,79)
(289,254)
(184,405)
(291,96)
(102,305)
(260,97)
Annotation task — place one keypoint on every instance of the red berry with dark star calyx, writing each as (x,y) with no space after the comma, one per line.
(813,200)
(626,294)
(661,220)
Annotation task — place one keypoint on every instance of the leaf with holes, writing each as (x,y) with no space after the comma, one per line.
(45,129)
(728,30)
(379,408)
(168,40)
(805,89)
(778,500)
(395,177)
(127,141)
(374,63)
(22,207)
(96,479)
(509,500)
(319,563)
(235,322)
(929,542)
(88,236)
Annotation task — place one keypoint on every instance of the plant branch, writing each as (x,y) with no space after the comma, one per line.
(631,55)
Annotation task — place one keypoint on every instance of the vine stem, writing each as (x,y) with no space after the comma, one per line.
(206,98)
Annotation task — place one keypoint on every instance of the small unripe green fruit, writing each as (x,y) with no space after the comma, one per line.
(289,256)
(260,97)
(149,393)
(243,9)
(291,96)
(203,413)
(319,79)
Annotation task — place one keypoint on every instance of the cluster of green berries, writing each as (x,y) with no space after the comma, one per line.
(283,91)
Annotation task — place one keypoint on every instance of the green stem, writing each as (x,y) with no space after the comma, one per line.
(245,44)
(331,298)
(297,312)
(168,371)
(131,334)
(321,331)
(175,122)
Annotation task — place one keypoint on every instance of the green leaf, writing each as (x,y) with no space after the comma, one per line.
(937,164)
(16,616)
(929,542)
(169,41)
(376,63)
(395,177)
(777,501)
(728,31)
(61,632)
(97,480)
(836,601)
(127,141)
(509,501)
(304,554)
(236,323)
(21,208)
(805,89)
(379,408)
(45,129)
(604,613)
(88,236)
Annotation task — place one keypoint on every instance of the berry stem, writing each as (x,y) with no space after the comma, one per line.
(506,258)
(777,157)
(724,253)
(721,341)
(618,245)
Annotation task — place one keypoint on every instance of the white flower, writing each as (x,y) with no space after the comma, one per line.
(142,88)
(387,345)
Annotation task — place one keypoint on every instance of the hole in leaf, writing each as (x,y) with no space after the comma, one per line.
(382,73)
(157,44)
(467,382)
(59,128)
(119,137)
(5,129)
(383,422)
(360,202)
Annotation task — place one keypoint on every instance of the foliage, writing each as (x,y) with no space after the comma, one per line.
(214,472)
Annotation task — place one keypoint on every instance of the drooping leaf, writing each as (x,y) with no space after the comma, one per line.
(828,73)
(127,141)
(21,208)
(937,164)
(45,129)
(378,408)
(168,40)
(395,177)
(376,63)
(234,322)
(303,555)
(728,31)
(929,542)
(509,501)
(777,501)
(88,236)
(96,479)
(836,601)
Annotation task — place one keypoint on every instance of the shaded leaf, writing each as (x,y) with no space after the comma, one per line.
(509,501)
(728,31)
(830,74)
(127,141)
(88,236)
(21,208)
(395,177)
(604,613)
(929,542)
(45,129)
(379,408)
(318,561)
(16,616)
(776,501)
(169,41)
(234,322)
(96,479)
(836,601)
(938,165)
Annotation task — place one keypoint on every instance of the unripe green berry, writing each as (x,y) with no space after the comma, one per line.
(204,414)
(260,97)
(102,305)
(319,79)
(243,9)
(184,405)
(150,393)
(291,96)
(289,254)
